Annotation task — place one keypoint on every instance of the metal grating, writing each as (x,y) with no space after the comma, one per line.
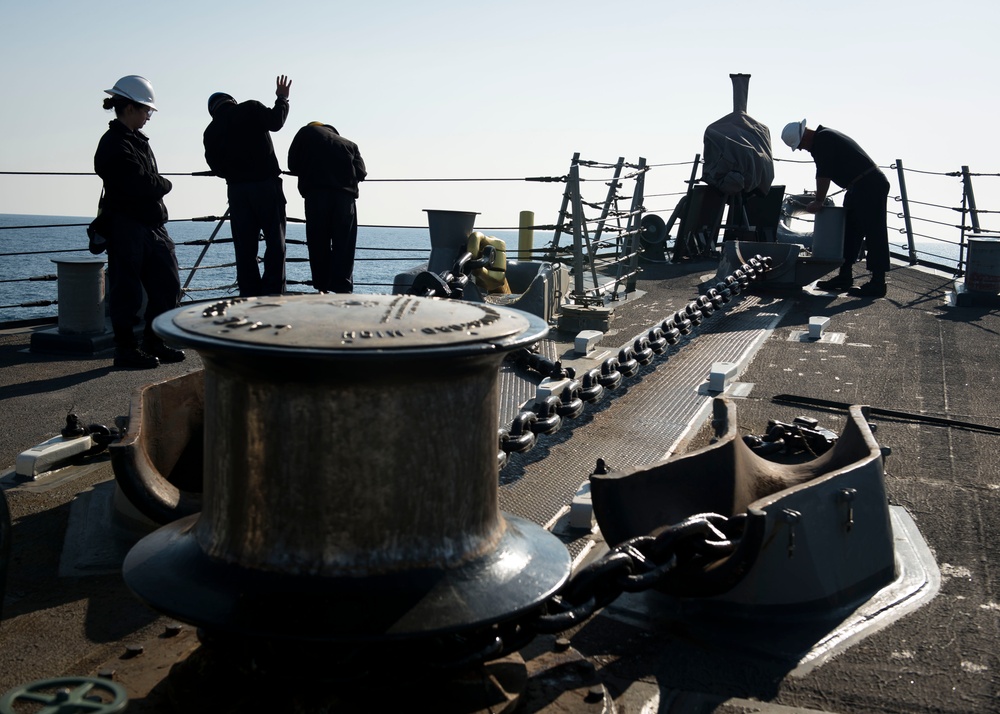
(639,422)
(516,388)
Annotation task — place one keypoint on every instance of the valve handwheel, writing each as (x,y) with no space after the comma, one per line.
(67,695)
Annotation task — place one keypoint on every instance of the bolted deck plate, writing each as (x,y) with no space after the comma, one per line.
(348,323)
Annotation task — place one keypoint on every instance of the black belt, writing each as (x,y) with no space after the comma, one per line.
(861,175)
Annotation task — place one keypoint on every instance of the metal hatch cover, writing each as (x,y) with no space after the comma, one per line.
(340,322)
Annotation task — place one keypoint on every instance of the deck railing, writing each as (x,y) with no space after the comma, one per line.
(597,236)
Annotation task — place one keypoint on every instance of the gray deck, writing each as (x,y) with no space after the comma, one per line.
(908,352)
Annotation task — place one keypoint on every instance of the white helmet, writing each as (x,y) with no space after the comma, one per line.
(792,133)
(136,88)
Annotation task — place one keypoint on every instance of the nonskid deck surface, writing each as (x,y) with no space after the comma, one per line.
(908,352)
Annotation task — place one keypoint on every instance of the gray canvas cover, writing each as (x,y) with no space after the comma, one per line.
(738,156)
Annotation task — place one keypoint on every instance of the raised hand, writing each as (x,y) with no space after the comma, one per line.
(284,86)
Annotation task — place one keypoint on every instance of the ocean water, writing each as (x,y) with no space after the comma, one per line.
(29,244)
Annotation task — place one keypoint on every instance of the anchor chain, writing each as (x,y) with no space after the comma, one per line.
(650,561)
(639,564)
(451,283)
(545,416)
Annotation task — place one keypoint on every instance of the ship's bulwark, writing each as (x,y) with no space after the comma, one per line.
(907,352)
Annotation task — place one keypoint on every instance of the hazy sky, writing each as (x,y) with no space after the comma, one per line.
(444,89)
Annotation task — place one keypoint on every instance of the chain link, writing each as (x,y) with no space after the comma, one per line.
(659,561)
(662,560)
(451,283)
(636,565)
(521,435)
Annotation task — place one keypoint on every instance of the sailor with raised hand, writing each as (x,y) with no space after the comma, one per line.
(840,160)
(238,148)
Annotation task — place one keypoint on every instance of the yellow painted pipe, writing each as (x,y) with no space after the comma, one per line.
(525,235)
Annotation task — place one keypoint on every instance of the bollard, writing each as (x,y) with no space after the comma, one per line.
(525,235)
(982,272)
(350,473)
(80,295)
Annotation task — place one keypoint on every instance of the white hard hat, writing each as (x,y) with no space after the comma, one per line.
(136,88)
(792,133)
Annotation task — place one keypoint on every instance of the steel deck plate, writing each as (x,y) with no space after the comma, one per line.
(629,427)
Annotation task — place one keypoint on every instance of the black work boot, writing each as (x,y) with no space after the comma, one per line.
(134,358)
(841,283)
(153,345)
(874,288)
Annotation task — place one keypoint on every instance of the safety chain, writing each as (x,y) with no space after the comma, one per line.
(803,435)
(101,435)
(546,415)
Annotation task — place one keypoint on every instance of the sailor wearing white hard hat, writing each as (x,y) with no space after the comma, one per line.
(840,160)
(141,255)
(136,88)
(792,133)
